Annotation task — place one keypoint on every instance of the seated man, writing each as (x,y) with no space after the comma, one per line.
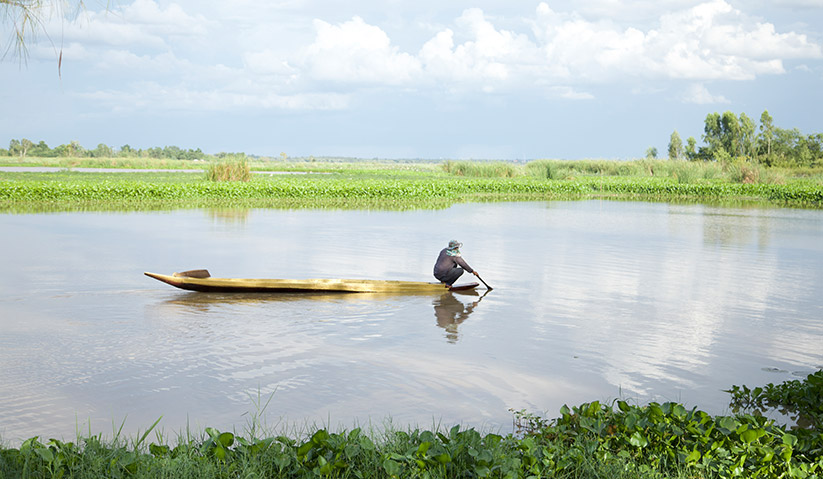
(450,264)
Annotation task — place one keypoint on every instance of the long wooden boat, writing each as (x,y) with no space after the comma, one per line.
(201,280)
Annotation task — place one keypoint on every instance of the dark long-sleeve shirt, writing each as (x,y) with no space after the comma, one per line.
(445,263)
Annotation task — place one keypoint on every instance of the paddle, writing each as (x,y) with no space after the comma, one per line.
(484,283)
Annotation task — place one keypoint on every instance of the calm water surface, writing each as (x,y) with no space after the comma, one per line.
(592,300)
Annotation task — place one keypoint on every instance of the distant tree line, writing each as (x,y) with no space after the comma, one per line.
(728,136)
(26,148)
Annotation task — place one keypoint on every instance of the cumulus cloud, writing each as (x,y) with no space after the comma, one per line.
(699,94)
(141,24)
(355,51)
(557,54)
(489,58)
(711,40)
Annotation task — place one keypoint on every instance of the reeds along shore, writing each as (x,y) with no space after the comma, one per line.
(593,440)
(419,183)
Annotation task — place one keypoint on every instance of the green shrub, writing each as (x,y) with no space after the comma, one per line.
(232,170)
(481,169)
(741,171)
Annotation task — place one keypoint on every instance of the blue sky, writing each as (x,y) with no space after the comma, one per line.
(423,79)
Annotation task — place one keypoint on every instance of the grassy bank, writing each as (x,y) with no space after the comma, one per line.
(589,441)
(370,183)
(593,440)
(292,165)
(310,189)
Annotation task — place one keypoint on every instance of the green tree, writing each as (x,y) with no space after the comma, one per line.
(15,149)
(196,154)
(691,149)
(748,138)
(102,151)
(675,146)
(25,145)
(41,150)
(127,151)
(651,153)
(766,136)
(730,127)
(712,133)
(73,149)
(173,152)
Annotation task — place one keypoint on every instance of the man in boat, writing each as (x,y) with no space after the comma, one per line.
(450,264)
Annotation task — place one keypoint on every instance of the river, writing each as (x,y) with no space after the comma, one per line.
(592,300)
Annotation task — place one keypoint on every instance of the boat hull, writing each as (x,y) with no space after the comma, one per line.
(244,285)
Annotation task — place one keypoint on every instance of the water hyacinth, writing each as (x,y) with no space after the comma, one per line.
(795,194)
(232,180)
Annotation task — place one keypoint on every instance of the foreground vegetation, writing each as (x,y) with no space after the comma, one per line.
(592,440)
(357,183)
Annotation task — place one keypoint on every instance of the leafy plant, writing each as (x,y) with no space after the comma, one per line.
(236,170)
(803,399)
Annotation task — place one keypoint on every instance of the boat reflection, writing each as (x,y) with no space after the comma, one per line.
(450,312)
(204,301)
(450,309)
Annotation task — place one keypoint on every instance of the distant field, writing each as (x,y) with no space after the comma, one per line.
(394,184)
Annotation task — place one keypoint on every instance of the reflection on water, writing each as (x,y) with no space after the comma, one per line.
(451,312)
(203,302)
(592,300)
(237,216)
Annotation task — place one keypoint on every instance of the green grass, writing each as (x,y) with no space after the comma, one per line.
(406,184)
(592,440)
(236,170)
(311,188)
(310,164)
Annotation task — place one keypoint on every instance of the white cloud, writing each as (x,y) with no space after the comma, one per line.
(711,40)
(142,24)
(357,52)
(489,58)
(699,94)
(143,95)
(172,20)
(800,3)
(761,41)
(548,52)
(570,93)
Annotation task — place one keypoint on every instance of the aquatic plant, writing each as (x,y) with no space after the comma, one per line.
(481,169)
(669,437)
(399,186)
(596,440)
(229,170)
(802,399)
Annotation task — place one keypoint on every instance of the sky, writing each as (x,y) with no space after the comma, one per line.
(514,80)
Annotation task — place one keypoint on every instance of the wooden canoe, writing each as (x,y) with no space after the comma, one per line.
(201,280)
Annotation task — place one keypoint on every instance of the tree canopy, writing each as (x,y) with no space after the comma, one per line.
(27,148)
(729,135)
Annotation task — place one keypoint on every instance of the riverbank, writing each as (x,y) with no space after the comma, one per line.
(409,185)
(592,440)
